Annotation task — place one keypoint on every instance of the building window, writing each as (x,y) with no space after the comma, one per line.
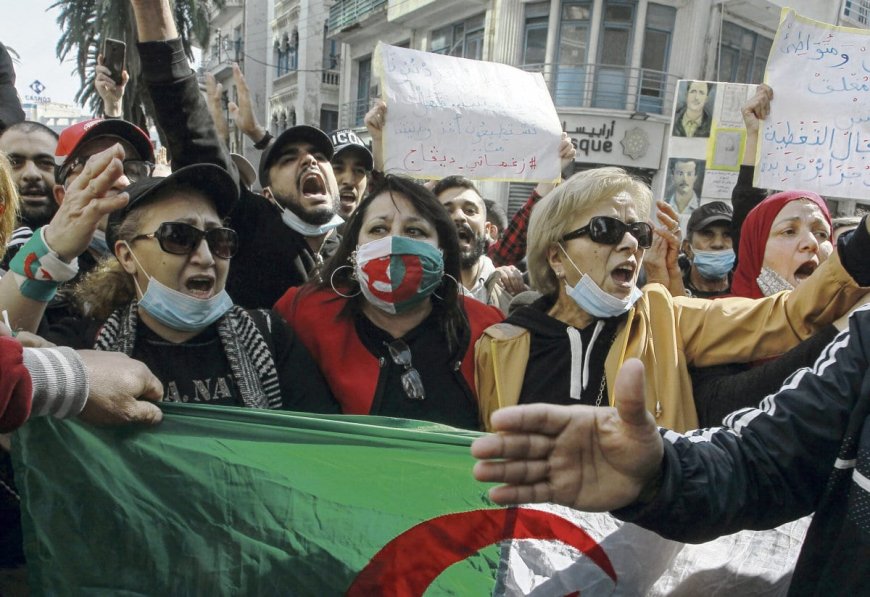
(535,36)
(238,44)
(328,119)
(656,54)
(363,91)
(464,39)
(573,54)
(330,51)
(614,55)
(857,10)
(742,54)
(293,54)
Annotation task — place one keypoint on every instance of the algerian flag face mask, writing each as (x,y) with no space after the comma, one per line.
(397,273)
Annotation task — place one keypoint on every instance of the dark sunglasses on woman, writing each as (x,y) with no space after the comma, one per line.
(180,238)
(609,231)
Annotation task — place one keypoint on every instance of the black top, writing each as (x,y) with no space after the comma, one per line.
(193,371)
(197,370)
(448,399)
(10,108)
(548,373)
(722,389)
(271,256)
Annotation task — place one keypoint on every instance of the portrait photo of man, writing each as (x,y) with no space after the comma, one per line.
(693,116)
(685,178)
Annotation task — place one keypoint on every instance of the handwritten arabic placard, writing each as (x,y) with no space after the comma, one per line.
(817,135)
(478,119)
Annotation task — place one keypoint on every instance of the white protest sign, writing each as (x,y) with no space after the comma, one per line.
(817,135)
(482,120)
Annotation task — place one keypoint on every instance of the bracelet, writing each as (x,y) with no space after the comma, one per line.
(264,142)
(39,270)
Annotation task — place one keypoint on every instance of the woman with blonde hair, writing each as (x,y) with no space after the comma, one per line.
(8,203)
(586,245)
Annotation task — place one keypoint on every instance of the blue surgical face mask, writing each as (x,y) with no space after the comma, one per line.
(592,299)
(713,265)
(177,310)
(304,228)
(98,243)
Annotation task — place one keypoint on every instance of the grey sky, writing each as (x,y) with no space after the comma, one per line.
(33,33)
(31,30)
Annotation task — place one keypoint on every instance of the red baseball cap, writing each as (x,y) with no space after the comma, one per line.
(74,136)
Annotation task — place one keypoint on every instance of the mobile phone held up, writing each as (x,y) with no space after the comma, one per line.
(114,53)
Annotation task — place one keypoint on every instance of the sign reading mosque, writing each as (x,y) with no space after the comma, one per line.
(450,115)
(817,135)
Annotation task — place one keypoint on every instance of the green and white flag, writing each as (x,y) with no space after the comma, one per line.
(231,501)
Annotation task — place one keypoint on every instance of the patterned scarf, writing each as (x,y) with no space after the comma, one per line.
(248,353)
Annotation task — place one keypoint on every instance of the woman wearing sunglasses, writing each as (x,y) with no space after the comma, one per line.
(163,301)
(386,323)
(586,244)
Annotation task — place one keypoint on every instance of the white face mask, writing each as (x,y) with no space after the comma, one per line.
(592,299)
(304,228)
(177,310)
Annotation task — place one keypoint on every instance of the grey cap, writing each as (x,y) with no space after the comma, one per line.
(706,214)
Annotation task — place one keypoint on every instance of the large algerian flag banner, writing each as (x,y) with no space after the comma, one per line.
(231,501)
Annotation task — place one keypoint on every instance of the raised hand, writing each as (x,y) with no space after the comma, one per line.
(111,93)
(375,120)
(213,93)
(754,111)
(243,112)
(585,457)
(85,202)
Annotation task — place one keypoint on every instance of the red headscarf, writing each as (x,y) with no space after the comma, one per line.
(754,235)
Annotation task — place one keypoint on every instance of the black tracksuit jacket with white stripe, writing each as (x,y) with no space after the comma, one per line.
(804,449)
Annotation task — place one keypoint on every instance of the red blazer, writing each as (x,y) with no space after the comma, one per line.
(350,369)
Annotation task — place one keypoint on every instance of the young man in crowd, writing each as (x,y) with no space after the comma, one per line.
(480,278)
(352,164)
(709,257)
(29,146)
(284,235)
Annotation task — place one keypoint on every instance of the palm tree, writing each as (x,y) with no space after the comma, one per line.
(84,25)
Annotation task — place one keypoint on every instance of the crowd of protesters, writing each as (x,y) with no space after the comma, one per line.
(338,288)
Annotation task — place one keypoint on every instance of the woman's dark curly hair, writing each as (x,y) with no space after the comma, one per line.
(446,300)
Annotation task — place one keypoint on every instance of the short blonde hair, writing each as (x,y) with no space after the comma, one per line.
(554,214)
(9,201)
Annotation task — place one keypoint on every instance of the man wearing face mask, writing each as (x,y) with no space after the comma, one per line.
(285,234)
(707,248)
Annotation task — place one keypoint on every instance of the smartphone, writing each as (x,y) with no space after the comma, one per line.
(114,54)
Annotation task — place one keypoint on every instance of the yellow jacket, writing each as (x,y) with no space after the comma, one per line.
(669,333)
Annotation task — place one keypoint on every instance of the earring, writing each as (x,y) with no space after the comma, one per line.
(455,281)
(336,290)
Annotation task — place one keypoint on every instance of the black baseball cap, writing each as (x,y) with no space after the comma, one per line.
(213,181)
(294,134)
(706,214)
(347,140)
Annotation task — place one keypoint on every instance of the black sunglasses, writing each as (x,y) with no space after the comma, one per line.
(412,383)
(609,231)
(133,169)
(180,238)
